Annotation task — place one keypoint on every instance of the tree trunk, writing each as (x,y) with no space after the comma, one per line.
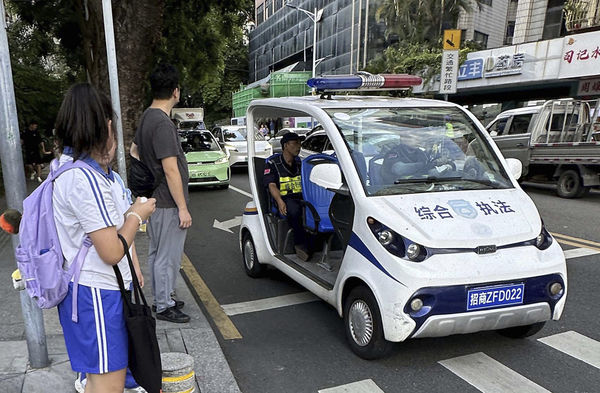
(137,26)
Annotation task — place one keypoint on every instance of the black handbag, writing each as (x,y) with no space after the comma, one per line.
(140,179)
(144,353)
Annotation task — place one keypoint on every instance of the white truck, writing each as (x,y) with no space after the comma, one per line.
(188,118)
(557,141)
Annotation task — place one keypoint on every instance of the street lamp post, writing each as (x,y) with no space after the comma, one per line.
(315,17)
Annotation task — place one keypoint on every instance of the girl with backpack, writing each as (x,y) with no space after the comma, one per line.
(89,202)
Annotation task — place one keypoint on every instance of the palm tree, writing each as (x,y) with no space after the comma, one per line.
(421,20)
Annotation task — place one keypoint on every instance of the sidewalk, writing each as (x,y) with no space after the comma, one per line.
(195,338)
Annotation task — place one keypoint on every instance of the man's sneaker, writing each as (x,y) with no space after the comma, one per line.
(172,314)
(39,179)
(302,253)
(80,383)
(32,176)
(178,305)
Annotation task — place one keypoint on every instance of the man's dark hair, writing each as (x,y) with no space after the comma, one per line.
(32,122)
(163,80)
(82,119)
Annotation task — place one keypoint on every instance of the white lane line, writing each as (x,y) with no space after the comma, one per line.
(268,303)
(576,345)
(364,386)
(489,375)
(240,191)
(580,252)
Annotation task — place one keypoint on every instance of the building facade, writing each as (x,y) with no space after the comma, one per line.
(348,36)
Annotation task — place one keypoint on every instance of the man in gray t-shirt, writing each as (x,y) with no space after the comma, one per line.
(156,143)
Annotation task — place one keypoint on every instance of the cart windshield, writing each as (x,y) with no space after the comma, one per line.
(414,150)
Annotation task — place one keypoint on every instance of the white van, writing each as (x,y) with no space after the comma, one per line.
(425,231)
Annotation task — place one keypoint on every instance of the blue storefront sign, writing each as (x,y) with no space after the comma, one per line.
(471,69)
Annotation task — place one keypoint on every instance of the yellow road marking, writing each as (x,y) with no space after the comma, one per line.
(576,239)
(577,244)
(222,321)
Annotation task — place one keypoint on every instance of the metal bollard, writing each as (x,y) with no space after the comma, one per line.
(178,373)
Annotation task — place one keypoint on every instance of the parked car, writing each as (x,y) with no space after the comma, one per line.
(275,142)
(233,140)
(208,164)
(558,141)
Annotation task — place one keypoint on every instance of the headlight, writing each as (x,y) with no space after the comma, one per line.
(230,148)
(396,244)
(222,160)
(543,240)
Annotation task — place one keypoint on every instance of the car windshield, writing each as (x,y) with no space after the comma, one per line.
(239,135)
(414,150)
(198,141)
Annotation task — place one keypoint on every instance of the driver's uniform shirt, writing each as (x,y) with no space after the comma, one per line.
(286,177)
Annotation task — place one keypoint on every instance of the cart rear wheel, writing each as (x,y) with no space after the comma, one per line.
(362,320)
(570,185)
(251,264)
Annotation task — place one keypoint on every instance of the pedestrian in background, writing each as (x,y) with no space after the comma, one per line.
(157,144)
(34,148)
(91,202)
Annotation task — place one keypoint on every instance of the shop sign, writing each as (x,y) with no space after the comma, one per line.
(580,55)
(589,87)
(471,69)
(504,65)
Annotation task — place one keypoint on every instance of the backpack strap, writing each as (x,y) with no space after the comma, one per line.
(75,271)
(75,268)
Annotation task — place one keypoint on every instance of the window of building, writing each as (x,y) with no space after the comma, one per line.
(554,23)
(486,2)
(260,14)
(480,38)
(268,8)
(510,32)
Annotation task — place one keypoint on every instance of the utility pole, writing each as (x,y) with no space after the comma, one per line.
(14,185)
(113,76)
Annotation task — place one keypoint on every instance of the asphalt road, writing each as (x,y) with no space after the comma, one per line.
(302,348)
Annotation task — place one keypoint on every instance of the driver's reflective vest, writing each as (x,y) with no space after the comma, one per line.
(289,183)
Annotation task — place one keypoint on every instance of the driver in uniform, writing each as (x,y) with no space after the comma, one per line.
(282,178)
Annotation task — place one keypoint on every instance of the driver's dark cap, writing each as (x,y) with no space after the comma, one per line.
(290,136)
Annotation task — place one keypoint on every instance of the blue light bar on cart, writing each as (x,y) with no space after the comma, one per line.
(364,81)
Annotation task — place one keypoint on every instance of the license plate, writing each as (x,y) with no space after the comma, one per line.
(201,174)
(490,297)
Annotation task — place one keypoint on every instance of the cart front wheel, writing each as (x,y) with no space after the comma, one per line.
(251,264)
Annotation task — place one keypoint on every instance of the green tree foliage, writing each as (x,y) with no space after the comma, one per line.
(40,66)
(417,26)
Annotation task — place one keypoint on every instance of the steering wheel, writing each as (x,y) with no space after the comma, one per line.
(473,168)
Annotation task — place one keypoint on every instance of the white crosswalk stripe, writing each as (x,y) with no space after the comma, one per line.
(580,252)
(268,303)
(576,345)
(489,375)
(364,386)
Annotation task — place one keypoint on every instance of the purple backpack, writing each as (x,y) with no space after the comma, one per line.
(39,254)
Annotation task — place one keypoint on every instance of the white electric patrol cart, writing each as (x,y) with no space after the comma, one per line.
(423,228)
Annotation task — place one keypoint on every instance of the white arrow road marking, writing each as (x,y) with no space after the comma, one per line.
(268,303)
(225,225)
(489,375)
(364,386)
(575,345)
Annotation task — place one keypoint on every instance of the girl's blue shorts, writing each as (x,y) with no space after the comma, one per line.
(97,343)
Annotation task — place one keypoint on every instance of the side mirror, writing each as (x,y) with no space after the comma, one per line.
(328,176)
(515,167)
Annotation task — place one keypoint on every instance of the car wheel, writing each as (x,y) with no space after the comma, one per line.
(569,184)
(522,331)
(253,268)
(362,320)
